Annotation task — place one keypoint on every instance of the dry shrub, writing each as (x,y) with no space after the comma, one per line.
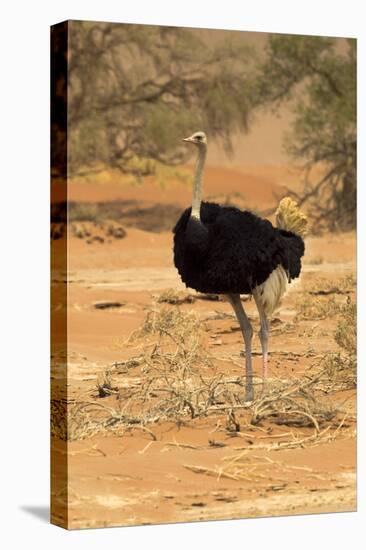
(72,422)
(301,403)
(175,297)
(339,372)
(341,368)
(316,309)
(169,321)
(322,298)
(175,386)
(178,381)
(87,419)
(324,286)
(295,404)
(182,384)
(59,419)
(248,466)
(105,386)
(83,211)
(346,331)
(316,260)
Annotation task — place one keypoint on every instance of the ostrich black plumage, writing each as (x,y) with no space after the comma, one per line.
(223,250)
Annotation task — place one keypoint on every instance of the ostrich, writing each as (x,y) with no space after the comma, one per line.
(223,250)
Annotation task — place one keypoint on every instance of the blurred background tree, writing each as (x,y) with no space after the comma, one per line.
(134,91)
(318,77)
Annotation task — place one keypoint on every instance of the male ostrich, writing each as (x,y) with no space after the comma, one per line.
(223,250)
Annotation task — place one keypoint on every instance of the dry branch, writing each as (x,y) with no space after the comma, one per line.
(178,381)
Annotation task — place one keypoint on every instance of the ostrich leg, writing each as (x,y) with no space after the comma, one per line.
(263,335)
(247,331)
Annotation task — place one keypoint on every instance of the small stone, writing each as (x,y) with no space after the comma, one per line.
(107,305)
(98,239)
(119,233)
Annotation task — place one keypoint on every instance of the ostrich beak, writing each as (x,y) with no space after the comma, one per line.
(188,139)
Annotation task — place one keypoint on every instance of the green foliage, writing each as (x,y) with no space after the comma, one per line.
(319,76)
(135,91)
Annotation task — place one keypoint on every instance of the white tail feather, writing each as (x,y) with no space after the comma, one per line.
(289,217)
(272,290)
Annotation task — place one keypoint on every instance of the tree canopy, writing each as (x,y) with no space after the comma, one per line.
(320,78)
(134,91)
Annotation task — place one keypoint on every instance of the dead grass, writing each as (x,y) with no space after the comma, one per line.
(248,466)
(315,308)
(316,260)
(175,297)
(324,286)
(341,367)
(155,218)
(178,380)
(87,419)
(105,385)
(59,419)
(323,298)
(297,403)
(171,322)
(346,332)
(83,212)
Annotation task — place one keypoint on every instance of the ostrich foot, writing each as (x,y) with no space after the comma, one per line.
(249,392)
(249,396)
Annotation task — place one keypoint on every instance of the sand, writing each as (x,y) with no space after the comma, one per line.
(140,479)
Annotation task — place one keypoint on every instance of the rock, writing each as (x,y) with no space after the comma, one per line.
(217,342)
(107,304)
(77,231)
(98,239)
(119,233)
(116,232)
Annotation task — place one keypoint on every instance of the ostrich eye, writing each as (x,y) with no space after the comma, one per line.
(199,138)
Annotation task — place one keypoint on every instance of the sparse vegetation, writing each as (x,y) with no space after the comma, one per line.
(169,321)
(175,297)
(181,382)
(104,385)
(341,367)
(295,404)
(84,212)
(316,260)
(155,218)
(177,383)
(324,298)
(315,308)
(324,286)
(248,466)
(346,332)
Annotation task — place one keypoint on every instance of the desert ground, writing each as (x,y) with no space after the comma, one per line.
(158,430)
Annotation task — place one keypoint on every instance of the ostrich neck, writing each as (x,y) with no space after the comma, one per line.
(197,185)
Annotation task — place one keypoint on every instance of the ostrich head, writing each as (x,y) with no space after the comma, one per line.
(198,138)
